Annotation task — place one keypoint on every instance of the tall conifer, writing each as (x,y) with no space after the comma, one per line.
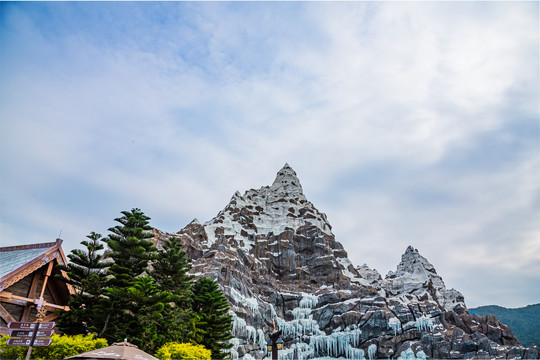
(212,307)
(130,254)
(86,273)
(130,249)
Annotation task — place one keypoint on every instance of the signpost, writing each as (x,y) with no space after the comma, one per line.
(30,334)
(22,325)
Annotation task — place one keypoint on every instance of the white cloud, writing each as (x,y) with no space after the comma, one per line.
(369,102)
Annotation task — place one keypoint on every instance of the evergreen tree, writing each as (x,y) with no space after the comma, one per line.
(170,271)
(86,274)
(130,249)
(148,306)
(130,252)
(212,307)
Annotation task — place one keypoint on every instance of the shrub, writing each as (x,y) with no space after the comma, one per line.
(62,346)
(175,350)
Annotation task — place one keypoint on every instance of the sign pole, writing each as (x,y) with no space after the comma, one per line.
(40,315)
(29,352)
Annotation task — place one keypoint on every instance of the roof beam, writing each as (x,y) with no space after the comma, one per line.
(23,301)
(4,314)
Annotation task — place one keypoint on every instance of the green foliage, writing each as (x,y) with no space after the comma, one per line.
(84,264)
(174,350)
(141,294)
(61,347)
(170,270)
(212,307)
(130,249)
(86,274)
(148,306)
(523,321)
(131,253)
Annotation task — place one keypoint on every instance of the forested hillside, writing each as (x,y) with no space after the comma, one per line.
(523,321)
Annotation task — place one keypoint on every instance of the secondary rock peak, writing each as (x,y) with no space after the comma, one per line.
(287,182)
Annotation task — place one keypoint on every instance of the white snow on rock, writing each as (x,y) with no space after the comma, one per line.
(270,209)
(414,275)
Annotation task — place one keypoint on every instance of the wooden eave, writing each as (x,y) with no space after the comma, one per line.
(55,252)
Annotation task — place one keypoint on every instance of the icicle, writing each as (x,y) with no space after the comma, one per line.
(424,324)
(272,311)
(395,324)
(239,325)
(407,355)
(309,301)
(251,334)
(261,341)
(301,313)
(372,350)
(240,299)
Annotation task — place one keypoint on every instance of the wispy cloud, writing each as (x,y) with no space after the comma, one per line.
(408,123)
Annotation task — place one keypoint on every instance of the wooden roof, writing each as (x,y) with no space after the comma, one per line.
(16,262)
(28,287)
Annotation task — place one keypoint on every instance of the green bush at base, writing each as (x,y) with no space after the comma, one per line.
(174,350)
(62,346)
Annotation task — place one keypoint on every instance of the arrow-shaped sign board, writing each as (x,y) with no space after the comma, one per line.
(29,334)
(26,342)
(43,342)
(44,333)
(47,325)
(21,325)
(21,334)
(19,342)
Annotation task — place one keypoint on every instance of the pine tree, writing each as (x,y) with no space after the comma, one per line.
(130,249)
(212,307)
(170,271)
(148,306)
(130,254)
(86,274)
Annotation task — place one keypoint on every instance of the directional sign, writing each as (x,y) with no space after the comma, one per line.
(21,334)
(42,342)
(44,333)
(30,334)
(19,342)
(22,325)
(47,325)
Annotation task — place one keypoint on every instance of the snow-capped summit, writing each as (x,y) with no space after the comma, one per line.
(286,183)
(268,210)
(275,257)
(417,276)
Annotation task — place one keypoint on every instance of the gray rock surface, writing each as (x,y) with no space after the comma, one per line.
(274,254)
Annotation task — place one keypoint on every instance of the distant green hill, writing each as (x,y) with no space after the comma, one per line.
(523,321)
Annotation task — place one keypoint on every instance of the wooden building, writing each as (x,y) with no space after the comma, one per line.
(28,287)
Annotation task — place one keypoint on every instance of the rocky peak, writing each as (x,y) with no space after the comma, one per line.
(278,227)
(416,275)
(266,212)
(274,255)
(412,262)
(286,183)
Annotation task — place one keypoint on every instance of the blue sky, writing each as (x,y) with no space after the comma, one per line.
(408,123)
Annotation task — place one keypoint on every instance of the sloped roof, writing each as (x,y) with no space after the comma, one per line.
(16,262)
(121,351)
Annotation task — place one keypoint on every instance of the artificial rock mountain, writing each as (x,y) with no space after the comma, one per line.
(274,255)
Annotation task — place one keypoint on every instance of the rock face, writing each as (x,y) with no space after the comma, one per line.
(274,255)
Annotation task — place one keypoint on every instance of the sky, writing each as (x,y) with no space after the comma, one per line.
(408,123)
